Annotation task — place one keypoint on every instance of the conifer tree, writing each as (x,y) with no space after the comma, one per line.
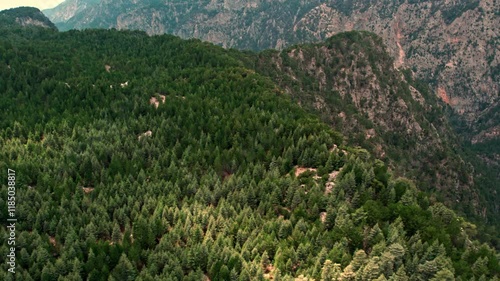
(124,270)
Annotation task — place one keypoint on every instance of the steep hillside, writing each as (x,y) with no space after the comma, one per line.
(154,158)
(451,44)
(68,9)
(350,81)
(24,17)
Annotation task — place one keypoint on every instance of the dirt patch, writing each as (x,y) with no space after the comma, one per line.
(442,94)
(401,55)
(322,217)
(154,101)
(301,170)
(450,64)
(52,241)
(87,190)
(333,175)
(107,67)
(370,133)
(269,272)
(331,184)
(145,134)
(328,187)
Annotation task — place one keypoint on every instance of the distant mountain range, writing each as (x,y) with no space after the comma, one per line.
(451,44)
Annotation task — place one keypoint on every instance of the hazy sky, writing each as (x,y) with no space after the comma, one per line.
(40,4)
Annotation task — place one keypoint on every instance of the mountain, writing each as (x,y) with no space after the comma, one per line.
(156,158)
(450,44)
(350,82)
(25,17)
(68,9)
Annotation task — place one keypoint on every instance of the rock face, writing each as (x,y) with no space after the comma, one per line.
(451,44)
(352,82)
(25,17)
(68,10)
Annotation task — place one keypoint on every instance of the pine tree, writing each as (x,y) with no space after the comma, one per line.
(480,267)
(443,275)
(330,271)
(61,267)
(124,270)
(116,235)
(233,275)
(372,269)
(264,261)
(400,275)
(49,273)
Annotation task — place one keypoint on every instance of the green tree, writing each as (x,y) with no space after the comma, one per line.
(330,271)
(124,270)
(116,236)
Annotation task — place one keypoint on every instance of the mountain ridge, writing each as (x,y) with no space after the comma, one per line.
(225,177)
(365,127)
(351,83)
(448,44)
(25,17)
(436,41)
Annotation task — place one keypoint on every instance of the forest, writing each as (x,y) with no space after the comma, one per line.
(154,158)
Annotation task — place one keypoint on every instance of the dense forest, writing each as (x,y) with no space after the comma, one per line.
(156,158)
(350,82)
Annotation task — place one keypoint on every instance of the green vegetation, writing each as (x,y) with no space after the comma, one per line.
(211,191)
(349,82)
(8,17)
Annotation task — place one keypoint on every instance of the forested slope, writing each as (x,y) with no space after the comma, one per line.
(154,158)
(453,45)
(24,16)
(350,82)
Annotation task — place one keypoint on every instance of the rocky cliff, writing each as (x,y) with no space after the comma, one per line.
(451,44)
(351,81)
